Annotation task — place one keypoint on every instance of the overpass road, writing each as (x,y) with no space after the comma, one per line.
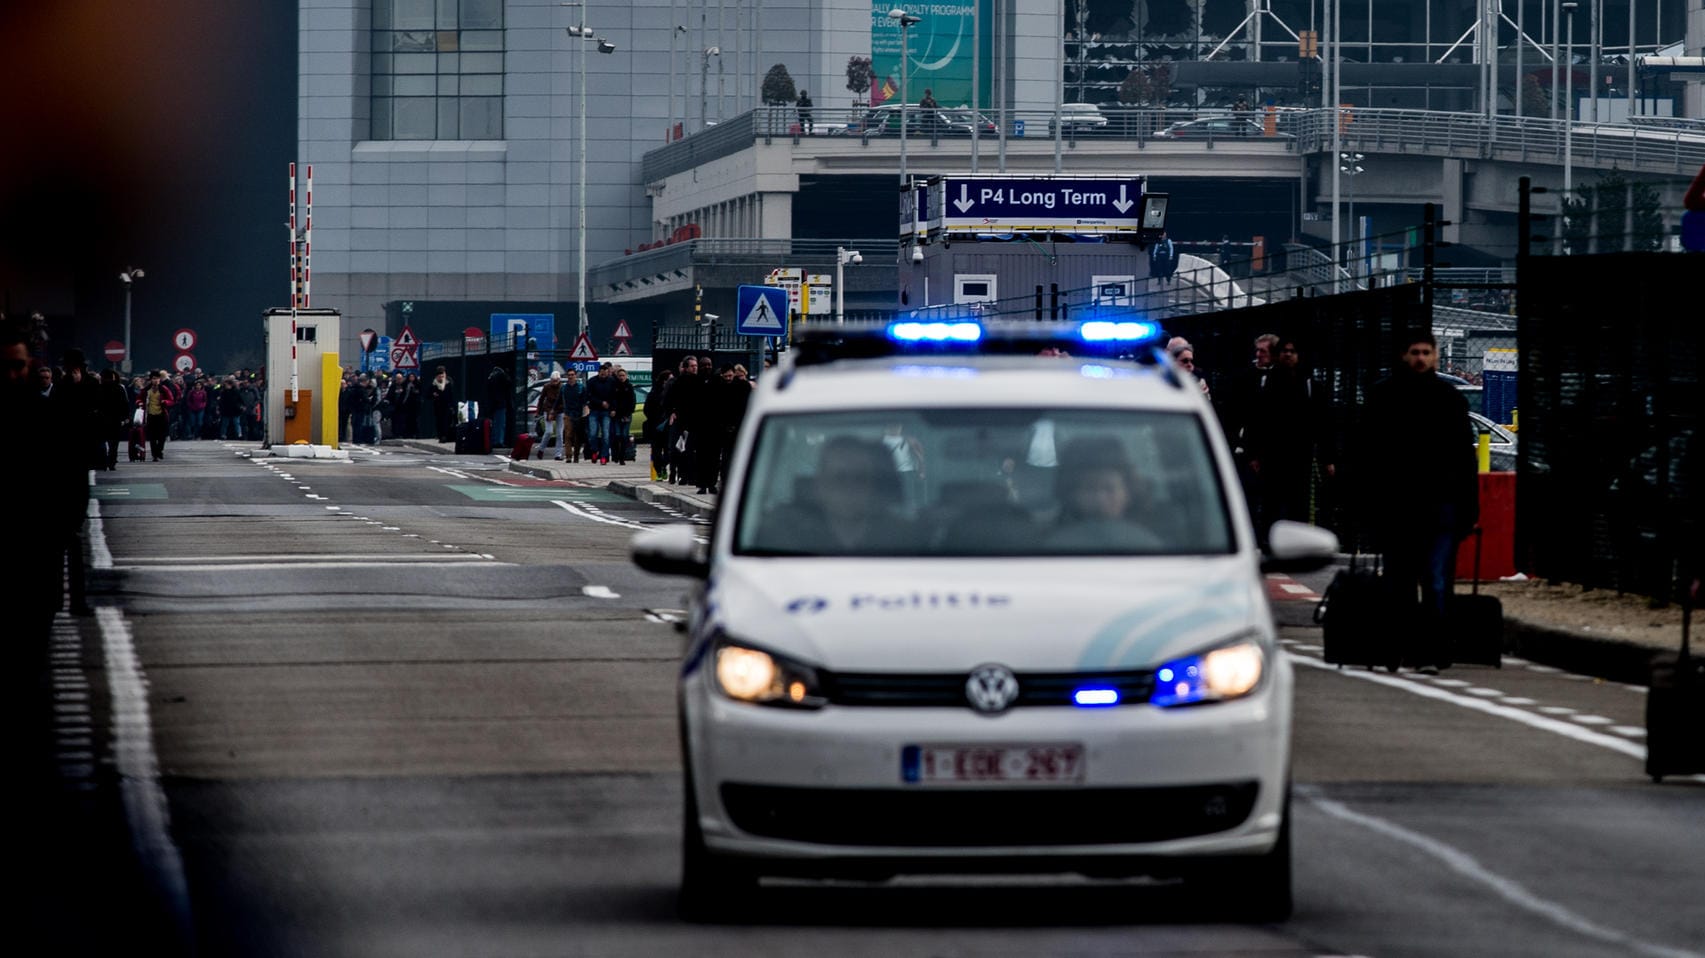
(415,704)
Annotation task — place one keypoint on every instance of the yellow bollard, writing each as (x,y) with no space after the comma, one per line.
(1515,420)
(1483,452)
(331,380)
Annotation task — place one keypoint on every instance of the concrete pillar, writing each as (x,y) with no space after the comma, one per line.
(1454,189)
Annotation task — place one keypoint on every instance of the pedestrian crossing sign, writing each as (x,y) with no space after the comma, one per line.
(583,348)
(761,311)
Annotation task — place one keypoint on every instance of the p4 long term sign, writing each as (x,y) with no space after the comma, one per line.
(994,205)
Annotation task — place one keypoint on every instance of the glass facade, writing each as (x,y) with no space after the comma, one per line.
(437,70)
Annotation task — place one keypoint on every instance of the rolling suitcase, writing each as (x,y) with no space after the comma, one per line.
(1475,622)
(138,444)
(474,438)
(1675,707)
(1356,620)
(523,447)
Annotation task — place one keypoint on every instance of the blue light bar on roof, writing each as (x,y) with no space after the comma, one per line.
(960,332)
(1129,331)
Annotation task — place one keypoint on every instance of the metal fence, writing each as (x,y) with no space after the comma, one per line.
(1652,148)
(1610,472)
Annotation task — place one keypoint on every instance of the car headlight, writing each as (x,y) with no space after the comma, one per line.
(1227,672)
(746,674)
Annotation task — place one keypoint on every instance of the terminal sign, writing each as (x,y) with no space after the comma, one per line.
(1024,204)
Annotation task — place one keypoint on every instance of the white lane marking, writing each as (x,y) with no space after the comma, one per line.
(607,520)
(1542,668)
(1632,731)
(138,767)
(1452,683)
(1510,891)
(302,556)
(1295,588)
(1590,719)
(1565,729)
(99,555)
(1485,693)
(437,562)
(1517,700)
(599,592)
(1556,710)
(1640,689)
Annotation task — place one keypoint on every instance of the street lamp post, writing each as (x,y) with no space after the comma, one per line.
(1350,164)
(583,33)
(843,256)
(906,21)
(1569,102)
(128,278)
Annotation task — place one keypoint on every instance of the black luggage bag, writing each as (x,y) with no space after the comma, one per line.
(1357,624)
(474,438)
(1474,623)
(1675,707)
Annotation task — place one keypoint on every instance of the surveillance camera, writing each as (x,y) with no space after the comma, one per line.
(917,254)
(857,258)
(605,46)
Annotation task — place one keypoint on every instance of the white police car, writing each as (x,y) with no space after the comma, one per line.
(968,608)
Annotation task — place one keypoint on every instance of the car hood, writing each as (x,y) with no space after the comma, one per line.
(950,615)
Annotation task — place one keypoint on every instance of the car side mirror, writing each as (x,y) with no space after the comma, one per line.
(1298,547)
(670,550)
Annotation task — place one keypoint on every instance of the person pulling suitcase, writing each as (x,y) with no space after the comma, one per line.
(1420,491)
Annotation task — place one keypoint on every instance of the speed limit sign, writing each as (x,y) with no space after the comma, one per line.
(184,339)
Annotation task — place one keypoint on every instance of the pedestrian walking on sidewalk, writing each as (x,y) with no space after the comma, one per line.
(1286,438)
(621,415)
(1419,491)
(441,392)
(600,390)
(499,393)
(156,403)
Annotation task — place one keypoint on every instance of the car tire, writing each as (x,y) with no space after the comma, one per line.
(1256,888)
(714,888)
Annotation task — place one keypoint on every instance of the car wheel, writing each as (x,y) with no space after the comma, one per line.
(1254,888)
(714,888)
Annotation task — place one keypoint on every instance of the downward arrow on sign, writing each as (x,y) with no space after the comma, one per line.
(964,202)
(1122,204)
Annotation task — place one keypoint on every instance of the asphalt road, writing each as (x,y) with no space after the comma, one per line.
(418,705)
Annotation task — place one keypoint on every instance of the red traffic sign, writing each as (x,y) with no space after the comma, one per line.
(622,331)
(114,350)
(403,358)
(184,340)
(473,337)
(369,339)
(622,348)
(583,349)
(183,363)
(406,340)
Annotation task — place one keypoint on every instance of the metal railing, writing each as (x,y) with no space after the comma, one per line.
(1677,148)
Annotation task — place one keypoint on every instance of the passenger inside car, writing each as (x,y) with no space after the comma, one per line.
(1099,493)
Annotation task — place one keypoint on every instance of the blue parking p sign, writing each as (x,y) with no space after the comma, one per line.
(761,311)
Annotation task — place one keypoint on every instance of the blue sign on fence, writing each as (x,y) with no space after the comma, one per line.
(539,326)
(994,204)
(1498,384)
(1017,127)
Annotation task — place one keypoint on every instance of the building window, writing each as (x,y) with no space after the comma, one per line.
(437,70)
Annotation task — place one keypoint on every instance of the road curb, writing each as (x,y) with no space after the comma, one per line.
(1610,659)
(642,491)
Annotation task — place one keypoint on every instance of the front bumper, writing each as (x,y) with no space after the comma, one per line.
(826,785)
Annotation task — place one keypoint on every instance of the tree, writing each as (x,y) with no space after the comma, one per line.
(778,86)
(1596,217)
(859,74)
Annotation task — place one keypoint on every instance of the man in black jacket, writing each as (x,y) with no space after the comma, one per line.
(1420,492)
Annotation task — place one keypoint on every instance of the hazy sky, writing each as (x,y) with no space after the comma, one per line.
(152,134)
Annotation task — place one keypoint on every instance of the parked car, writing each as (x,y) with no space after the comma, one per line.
(885,121)
(1078,119)
(1503,442)
(960,122)
(1220,128)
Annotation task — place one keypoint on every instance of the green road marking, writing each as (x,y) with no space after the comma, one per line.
(129,490)
(494,493)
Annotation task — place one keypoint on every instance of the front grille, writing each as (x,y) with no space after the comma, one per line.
(947,689)
(970,818)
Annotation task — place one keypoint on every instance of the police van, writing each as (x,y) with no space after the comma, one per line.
(983,597)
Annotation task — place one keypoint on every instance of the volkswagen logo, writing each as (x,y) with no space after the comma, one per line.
(808,605)
(991,688)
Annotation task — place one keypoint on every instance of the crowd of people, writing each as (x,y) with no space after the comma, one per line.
(692,415)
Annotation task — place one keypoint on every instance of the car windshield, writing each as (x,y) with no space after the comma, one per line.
(982,482)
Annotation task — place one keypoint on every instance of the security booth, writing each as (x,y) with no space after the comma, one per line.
(302,375)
